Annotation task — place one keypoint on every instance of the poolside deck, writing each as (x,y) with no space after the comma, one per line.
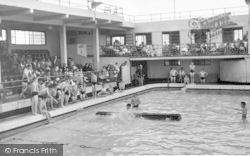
(19,121)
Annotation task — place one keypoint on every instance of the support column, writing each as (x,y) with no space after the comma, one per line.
(96,50)
(248,42)
(0,54)
(63,44)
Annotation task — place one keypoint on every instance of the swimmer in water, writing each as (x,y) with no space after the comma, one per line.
(243,110)
(135,101)
(128,106)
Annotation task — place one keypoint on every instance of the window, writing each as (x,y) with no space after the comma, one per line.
(3,35)
(171,38)
(202,62)
(72,40)
(118,40)
(27,37)
(200,36)
(143,39)
(172,63)
(232,34)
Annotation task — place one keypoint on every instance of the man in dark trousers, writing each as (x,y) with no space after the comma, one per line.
(140,74)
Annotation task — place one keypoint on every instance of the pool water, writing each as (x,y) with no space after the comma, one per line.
(208,126)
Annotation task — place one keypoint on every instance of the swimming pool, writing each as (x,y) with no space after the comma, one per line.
(208,126)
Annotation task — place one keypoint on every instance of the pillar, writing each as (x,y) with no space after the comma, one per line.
(96,50)
(248,37)
(63,44)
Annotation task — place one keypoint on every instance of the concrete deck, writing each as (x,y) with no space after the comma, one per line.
(24,120)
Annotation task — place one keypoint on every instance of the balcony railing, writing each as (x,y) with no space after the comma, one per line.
(241,10)
(176,50)
(86,4)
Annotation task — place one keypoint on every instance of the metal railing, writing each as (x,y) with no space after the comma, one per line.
(13,90)
(240,10)
(86,4)
(177,50)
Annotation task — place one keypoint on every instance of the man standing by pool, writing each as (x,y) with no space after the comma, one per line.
(94,83)
(203,75)
(192,73)
(140,75)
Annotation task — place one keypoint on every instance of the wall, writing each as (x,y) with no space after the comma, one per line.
(157,70)
(181,25)
(79,59)
(233,71)
(88,40)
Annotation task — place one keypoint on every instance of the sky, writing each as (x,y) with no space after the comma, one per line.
(143,7)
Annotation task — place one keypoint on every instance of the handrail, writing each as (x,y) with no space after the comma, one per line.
(103,7)
(185,14)
(188,49)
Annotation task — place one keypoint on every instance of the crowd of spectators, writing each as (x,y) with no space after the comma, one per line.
(234,48)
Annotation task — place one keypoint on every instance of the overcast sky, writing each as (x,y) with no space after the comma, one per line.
(141,7)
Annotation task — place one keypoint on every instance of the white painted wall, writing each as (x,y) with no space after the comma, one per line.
(233,71)
(79,59)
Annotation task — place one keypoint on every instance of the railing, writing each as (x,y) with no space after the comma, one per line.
(87,4)
(20,89)
(176,50)
(241,10)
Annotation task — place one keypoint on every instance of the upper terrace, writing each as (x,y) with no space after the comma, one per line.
(73,13)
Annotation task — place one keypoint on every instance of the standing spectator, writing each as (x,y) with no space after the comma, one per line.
(34,96)
(203,75)
(181,75)
(94,83)
(56,61)
(192,71)
(140,74)
(173,74)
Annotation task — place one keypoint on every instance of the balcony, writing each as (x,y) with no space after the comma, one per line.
(88,5)
(175,50)
(183,15)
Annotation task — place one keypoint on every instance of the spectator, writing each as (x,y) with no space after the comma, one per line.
(140,74)
(173,74)
(181,75)
(192,71)
(203,75)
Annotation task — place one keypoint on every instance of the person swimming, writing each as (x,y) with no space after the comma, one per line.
(135,101)
(243,110)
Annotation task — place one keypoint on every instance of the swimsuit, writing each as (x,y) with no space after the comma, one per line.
(82,92)
(94,83)
(202,78)
(34,94)
(192,71)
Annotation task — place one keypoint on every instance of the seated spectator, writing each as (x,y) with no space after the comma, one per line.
(104,91)
(186,80)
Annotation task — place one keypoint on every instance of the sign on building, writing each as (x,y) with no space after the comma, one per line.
(82,49)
